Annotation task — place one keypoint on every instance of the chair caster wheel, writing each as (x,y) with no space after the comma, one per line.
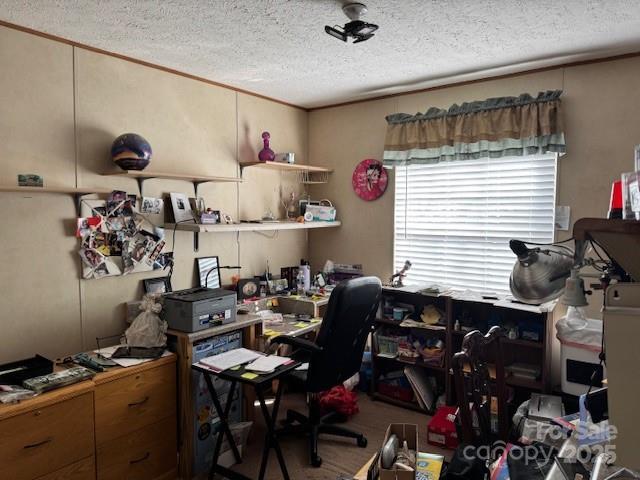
(362,442)
(316,462)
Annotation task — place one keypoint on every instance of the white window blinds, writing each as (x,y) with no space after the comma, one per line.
(454,220)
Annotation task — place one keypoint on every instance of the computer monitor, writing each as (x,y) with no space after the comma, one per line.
(205,265)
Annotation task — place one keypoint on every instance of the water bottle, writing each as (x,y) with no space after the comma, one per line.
(300,282)
(305,268)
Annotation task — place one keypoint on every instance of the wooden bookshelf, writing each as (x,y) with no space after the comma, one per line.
(515,350)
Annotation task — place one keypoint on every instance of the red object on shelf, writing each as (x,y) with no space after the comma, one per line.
(615,204)
(441,430)
(394,391)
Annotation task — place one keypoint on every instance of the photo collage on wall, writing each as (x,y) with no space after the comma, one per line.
(115,239)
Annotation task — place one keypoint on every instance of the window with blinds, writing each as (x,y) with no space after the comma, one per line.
(454,220)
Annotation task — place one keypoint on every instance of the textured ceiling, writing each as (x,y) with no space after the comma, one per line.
(278,48)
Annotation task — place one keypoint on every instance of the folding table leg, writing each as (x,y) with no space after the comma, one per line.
(271,440)
(223,415)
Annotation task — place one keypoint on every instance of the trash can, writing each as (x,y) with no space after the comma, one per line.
(581,344)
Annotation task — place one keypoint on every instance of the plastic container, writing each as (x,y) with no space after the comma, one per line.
(579,355)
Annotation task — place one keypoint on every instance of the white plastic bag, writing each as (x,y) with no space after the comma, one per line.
(148,330)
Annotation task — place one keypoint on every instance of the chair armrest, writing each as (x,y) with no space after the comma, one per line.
(297,342)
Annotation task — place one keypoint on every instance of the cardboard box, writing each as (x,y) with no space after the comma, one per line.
(404,431)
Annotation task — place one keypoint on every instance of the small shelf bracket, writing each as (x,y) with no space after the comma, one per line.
(140,181)
(77,198)
(196,241)
(196,184)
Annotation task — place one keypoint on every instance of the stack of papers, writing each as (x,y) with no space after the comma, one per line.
(267,364)
(230,359)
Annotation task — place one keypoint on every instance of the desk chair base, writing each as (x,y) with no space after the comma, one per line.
(314,425)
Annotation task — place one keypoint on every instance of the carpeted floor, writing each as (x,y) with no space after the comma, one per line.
(340,456)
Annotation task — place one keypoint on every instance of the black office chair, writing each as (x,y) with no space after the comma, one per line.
(335,357)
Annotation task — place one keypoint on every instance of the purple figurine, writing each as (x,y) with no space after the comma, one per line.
(266,154)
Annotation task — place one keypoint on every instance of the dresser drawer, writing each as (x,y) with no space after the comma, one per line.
(85,469)
(135,401)
(145,454)
(46,439)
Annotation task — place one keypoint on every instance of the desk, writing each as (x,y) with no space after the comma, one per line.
(260,383)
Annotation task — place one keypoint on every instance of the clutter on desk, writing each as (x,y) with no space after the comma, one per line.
(14,373)
(230,359)
(131,360)
(267,363)
(14,393)
(59,379)
(113,238)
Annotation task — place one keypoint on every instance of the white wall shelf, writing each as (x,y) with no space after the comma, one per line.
(249,227)
(75,192)
(197,228)
(62,190)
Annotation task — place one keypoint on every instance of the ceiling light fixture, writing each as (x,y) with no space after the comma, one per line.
(356,28)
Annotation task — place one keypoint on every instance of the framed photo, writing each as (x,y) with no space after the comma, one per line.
(181,207)
(157,285)
(248,288)
(205,266)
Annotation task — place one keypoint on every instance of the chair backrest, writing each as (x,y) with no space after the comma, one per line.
(476,386)
(346,324)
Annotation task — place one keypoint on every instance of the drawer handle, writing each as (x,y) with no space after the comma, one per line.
(38,444)
(135,404)
(146,455)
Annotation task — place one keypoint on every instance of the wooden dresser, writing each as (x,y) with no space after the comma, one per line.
(121,425)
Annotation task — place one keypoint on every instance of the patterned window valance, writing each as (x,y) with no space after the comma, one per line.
(496,127)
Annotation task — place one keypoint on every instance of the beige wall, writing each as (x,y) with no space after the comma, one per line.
(601,109)
(601,104)
(60,109)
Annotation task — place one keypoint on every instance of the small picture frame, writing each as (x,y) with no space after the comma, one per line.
(157,285)
(248,288)
(181,208)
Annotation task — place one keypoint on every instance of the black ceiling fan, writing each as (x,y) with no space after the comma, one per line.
(356,28)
